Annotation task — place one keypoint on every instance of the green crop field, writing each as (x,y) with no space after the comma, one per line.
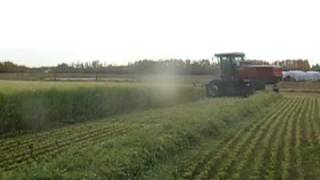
(35,106)
(186,136)
(282,144)
(7,86)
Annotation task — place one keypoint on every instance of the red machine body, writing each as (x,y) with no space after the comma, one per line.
(269,74)
(237,77)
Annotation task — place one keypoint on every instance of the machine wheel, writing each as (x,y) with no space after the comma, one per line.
(212,90)
(248,89)
(260,85)
(275,88)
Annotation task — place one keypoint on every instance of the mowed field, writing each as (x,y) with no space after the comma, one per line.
(265,136)
(283,144)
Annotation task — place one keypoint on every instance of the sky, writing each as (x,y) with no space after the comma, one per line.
(43,32)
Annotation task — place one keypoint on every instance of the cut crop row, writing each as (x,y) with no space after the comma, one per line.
(196,164)
(255,147)
(273,159)
(12,161)
(254,160)
(232,146)
(255,152)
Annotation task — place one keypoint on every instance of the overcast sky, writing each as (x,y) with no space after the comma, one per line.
(43,32)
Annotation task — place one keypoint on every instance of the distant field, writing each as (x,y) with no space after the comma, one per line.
(311,87)
(8,86)
(106,77)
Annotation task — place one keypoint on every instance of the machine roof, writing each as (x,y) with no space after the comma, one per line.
(230,54)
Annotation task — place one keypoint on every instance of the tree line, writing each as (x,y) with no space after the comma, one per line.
(299,64)
(148,66)
(145,66)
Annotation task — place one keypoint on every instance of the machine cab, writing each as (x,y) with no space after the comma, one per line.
(229,64)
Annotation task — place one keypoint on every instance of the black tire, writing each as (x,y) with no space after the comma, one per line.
(212,90)
(275,88)
(248,89)
(260,86)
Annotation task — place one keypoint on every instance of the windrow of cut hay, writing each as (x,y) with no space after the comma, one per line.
(45,108)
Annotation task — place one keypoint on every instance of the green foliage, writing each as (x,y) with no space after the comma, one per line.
(45,108)
(7,67)
(163,133)
(315,67)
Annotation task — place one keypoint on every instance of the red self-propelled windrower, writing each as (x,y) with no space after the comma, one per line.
(238,78)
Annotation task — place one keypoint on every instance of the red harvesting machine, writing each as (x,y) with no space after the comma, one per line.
(238,78)
(260,74)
